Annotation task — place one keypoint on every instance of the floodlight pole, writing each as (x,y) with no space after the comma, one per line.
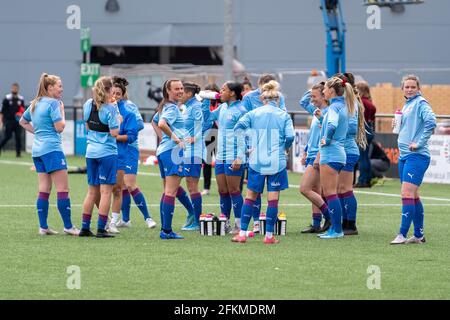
(228,49)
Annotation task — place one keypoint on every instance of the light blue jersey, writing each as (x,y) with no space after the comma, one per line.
(418,123)
(206,104)
(252,101)
(101,144)
(314,130)
(350,145)
(227,116)
(46,138)
(172,114)
(193,124)
(128,127)
(271,132)
(139,120)
(334,130)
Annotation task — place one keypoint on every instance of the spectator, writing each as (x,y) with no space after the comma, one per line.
(369,117)
(13,106)
(379,160)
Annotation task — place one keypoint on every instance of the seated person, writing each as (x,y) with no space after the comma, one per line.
(378,159)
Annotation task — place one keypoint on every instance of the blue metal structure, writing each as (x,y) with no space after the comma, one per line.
(335,30)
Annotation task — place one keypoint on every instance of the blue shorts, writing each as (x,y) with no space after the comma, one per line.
(129,162)
(309,162)
(166,165)
(352,160)
(50,162)
(192,167)
(275,182)
(223,167)
(412,168)
(334,165)
(102,170)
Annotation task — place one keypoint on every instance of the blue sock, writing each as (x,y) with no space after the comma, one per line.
(237,203)
(316,219)
(42,209)
(325,211)
(246,215)
(344,211)
(257,208)
(161,216)
(196,199)
(86,222)
(334,206)
(418,219)
(271,215)
(102,220)
(126,204)
(185,201)
(225,204)
(408,208)
(168,207)
(349,205)
(63,204)
(139,199)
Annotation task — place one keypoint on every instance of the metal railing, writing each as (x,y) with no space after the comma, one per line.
(299,118)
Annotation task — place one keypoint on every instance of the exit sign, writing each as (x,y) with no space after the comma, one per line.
(90,72)
(85,37)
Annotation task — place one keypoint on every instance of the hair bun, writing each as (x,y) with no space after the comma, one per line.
(121,81)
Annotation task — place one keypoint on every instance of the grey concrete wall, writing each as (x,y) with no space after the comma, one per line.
(270,35)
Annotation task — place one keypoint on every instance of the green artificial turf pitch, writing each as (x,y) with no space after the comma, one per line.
(138,265)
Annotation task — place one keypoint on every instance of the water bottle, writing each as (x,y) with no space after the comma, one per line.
(209,224)
(221,225)
(398,121)
(281,224)
(211,95)
(262,223)
(202,224)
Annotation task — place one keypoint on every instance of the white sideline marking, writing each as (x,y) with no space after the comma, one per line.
(280,205)
(151,174)
(384,194)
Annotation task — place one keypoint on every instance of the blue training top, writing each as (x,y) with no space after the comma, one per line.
(101,144)
(193,124)
(350,145)
(312,146)
(271,132)
(46,113)
(252,101)
(418,123)
(172,114)
(139,121)
(227,116)
(334,130)
(129,127)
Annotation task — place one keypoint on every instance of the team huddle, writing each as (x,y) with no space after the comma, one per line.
(254,134)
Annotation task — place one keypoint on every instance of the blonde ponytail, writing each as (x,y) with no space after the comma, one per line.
(270,91)
(350,98)
(361,138)
(341,87)
(100,91)
(44,81)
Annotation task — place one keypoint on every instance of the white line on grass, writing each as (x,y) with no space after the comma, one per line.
(281,205)
(384,194)
(151,174)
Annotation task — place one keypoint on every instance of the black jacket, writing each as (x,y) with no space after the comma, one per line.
(12,105)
